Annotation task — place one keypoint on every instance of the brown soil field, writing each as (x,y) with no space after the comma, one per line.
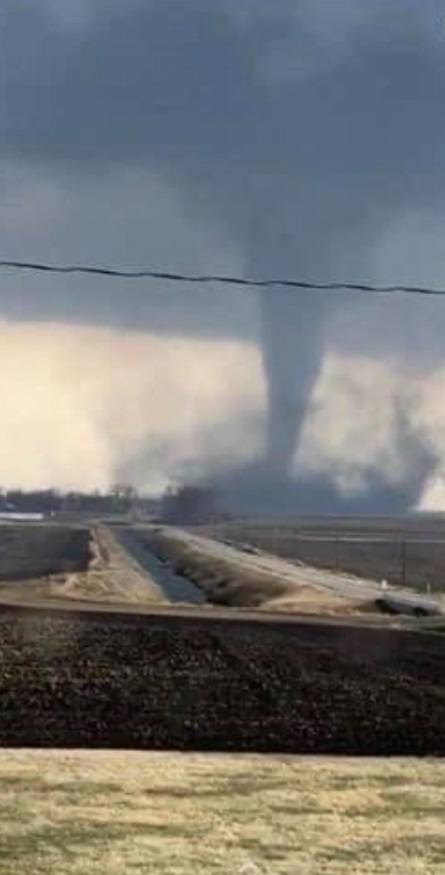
(191,683)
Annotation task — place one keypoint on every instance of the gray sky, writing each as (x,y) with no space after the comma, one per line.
(301,137)
(263,137)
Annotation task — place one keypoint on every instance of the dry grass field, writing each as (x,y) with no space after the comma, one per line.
(106,573)
(176,814)
(408,552)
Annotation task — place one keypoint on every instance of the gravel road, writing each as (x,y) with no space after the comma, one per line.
(345,585)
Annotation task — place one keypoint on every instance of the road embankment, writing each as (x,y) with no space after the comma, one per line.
(227,578)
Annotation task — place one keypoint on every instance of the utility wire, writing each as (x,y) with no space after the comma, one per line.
(221,279)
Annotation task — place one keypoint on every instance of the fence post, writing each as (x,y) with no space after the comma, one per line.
(403,558)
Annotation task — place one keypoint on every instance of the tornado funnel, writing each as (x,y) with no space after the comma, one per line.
(292,342)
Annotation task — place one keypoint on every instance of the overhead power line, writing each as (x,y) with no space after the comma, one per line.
(171,276)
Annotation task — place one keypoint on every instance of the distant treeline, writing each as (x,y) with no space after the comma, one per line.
(191,504)
(183,504)
(120,499)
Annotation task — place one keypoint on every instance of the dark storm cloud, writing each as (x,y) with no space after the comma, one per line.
(180,87)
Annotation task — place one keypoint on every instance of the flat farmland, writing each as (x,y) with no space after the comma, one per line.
(110,679)
(77,812)
(407,551)
(69,562)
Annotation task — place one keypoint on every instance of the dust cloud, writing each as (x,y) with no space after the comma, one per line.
(82,406)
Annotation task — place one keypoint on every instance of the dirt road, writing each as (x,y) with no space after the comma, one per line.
(343,585)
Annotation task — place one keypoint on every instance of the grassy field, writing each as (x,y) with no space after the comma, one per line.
(93,812)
